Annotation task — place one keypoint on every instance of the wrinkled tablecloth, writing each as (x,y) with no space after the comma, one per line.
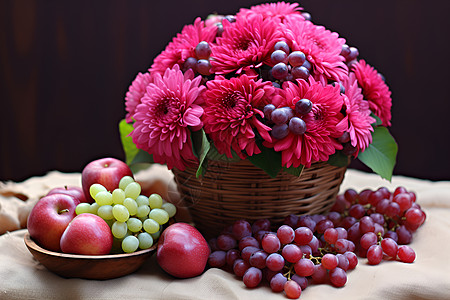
(21,277)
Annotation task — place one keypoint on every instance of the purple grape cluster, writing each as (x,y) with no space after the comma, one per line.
(200,63)
(318,249)
(350,54)
(379,222)
(288,65)
(286,119)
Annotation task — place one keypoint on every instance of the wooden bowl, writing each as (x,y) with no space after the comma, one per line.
(98,267)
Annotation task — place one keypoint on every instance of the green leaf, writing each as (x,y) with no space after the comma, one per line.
(201,147)
(214,154)
(294,171)
(378,121)
(338,159)
(381,154)
(129,147)
(269,160)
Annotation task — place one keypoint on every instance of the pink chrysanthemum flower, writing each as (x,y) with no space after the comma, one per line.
(244,44)
(269,10)
(374,90)
(324,123)
(358,115)
(135,93)
(183,45)
(321,47)
(231,110)
(168,109)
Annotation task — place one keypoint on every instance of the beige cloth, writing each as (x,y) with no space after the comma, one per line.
(21,277)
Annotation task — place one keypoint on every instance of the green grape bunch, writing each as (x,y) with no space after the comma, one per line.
(136,221)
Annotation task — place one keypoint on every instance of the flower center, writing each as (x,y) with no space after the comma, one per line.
(230,100)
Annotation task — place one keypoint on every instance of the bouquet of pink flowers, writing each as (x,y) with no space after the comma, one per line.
(267,85)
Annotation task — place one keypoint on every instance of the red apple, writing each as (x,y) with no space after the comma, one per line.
(73,191)
(105,171)
(182,251)
(49,218)
(87,234)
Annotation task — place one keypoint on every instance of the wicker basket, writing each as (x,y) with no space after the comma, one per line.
(232,191)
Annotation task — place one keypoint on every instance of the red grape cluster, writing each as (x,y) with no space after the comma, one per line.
(379,222)
(288,65)
(286,119)
(315,249)
(200,63)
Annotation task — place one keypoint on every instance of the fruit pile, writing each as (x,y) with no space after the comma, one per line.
(135,220)
(107,215)
(315,249)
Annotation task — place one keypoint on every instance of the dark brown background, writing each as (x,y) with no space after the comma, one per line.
(65,67)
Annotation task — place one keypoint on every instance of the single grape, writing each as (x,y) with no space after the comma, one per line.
(268,109)
(259,225)
(304,267)
(406,254)
(151,226)
(119,229)
(103,198)
(258,259)
(403,200)
(303,235)
(320,274)
(296,58)
(366,224)
(118,195)
(285,234)
(343,262)
(275,262)
(170,209)
(241,229)
(297,126)
(280,131)
(353,54)
(142,211)
(252,277)
(404,235)
(133,190)
(247,252)
(155,201)
(323,225)
(345,50)
(341,245)
(344,138)
(357,211)
(232,255)
(292,253)
(374,254)
(82,208)
(105,212)
(303,106)
(292,289)
(338,277)
(142,200)
(120,213)
(414,216)
(280,71)
(145,240)
(278,56)
(392,210)
(300,73)
(202,50)
(125,181)
(190,63)
(226,242)
(134,224)
(280,116)
(277,282)
(217,259)
(282,46)
(329,261)
(131,205)
(159,215)
(368,239)
(389,246)
(270,243)
(96,188)
(330,235)
(240,266)
(130,244)
(204,67)
(247,241)
(352,259)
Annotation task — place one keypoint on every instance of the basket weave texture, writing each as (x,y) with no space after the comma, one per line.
(232,191)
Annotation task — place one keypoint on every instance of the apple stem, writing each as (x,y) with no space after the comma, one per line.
(63,211)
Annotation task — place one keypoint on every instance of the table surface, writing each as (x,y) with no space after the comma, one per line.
(21,277)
